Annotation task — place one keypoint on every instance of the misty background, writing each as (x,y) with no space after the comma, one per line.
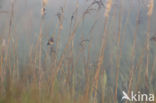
(25,30)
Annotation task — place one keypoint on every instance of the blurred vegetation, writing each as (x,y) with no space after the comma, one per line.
(100,48)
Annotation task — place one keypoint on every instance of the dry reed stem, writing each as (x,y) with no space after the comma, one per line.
(153,68)
(111,54)
(101,52)
(1,75)
(59,64)
(133,55)
(40,43)
(9,33)
(150,10)
(60,16)
(100,60)
(86,95)
(108,8)
(118,54)
(60,20)
(138,67)
(150,7)
(7,70)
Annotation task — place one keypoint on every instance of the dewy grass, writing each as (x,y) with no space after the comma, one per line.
(99,51)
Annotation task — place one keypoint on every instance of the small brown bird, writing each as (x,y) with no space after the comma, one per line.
(153,38)
(50,41)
